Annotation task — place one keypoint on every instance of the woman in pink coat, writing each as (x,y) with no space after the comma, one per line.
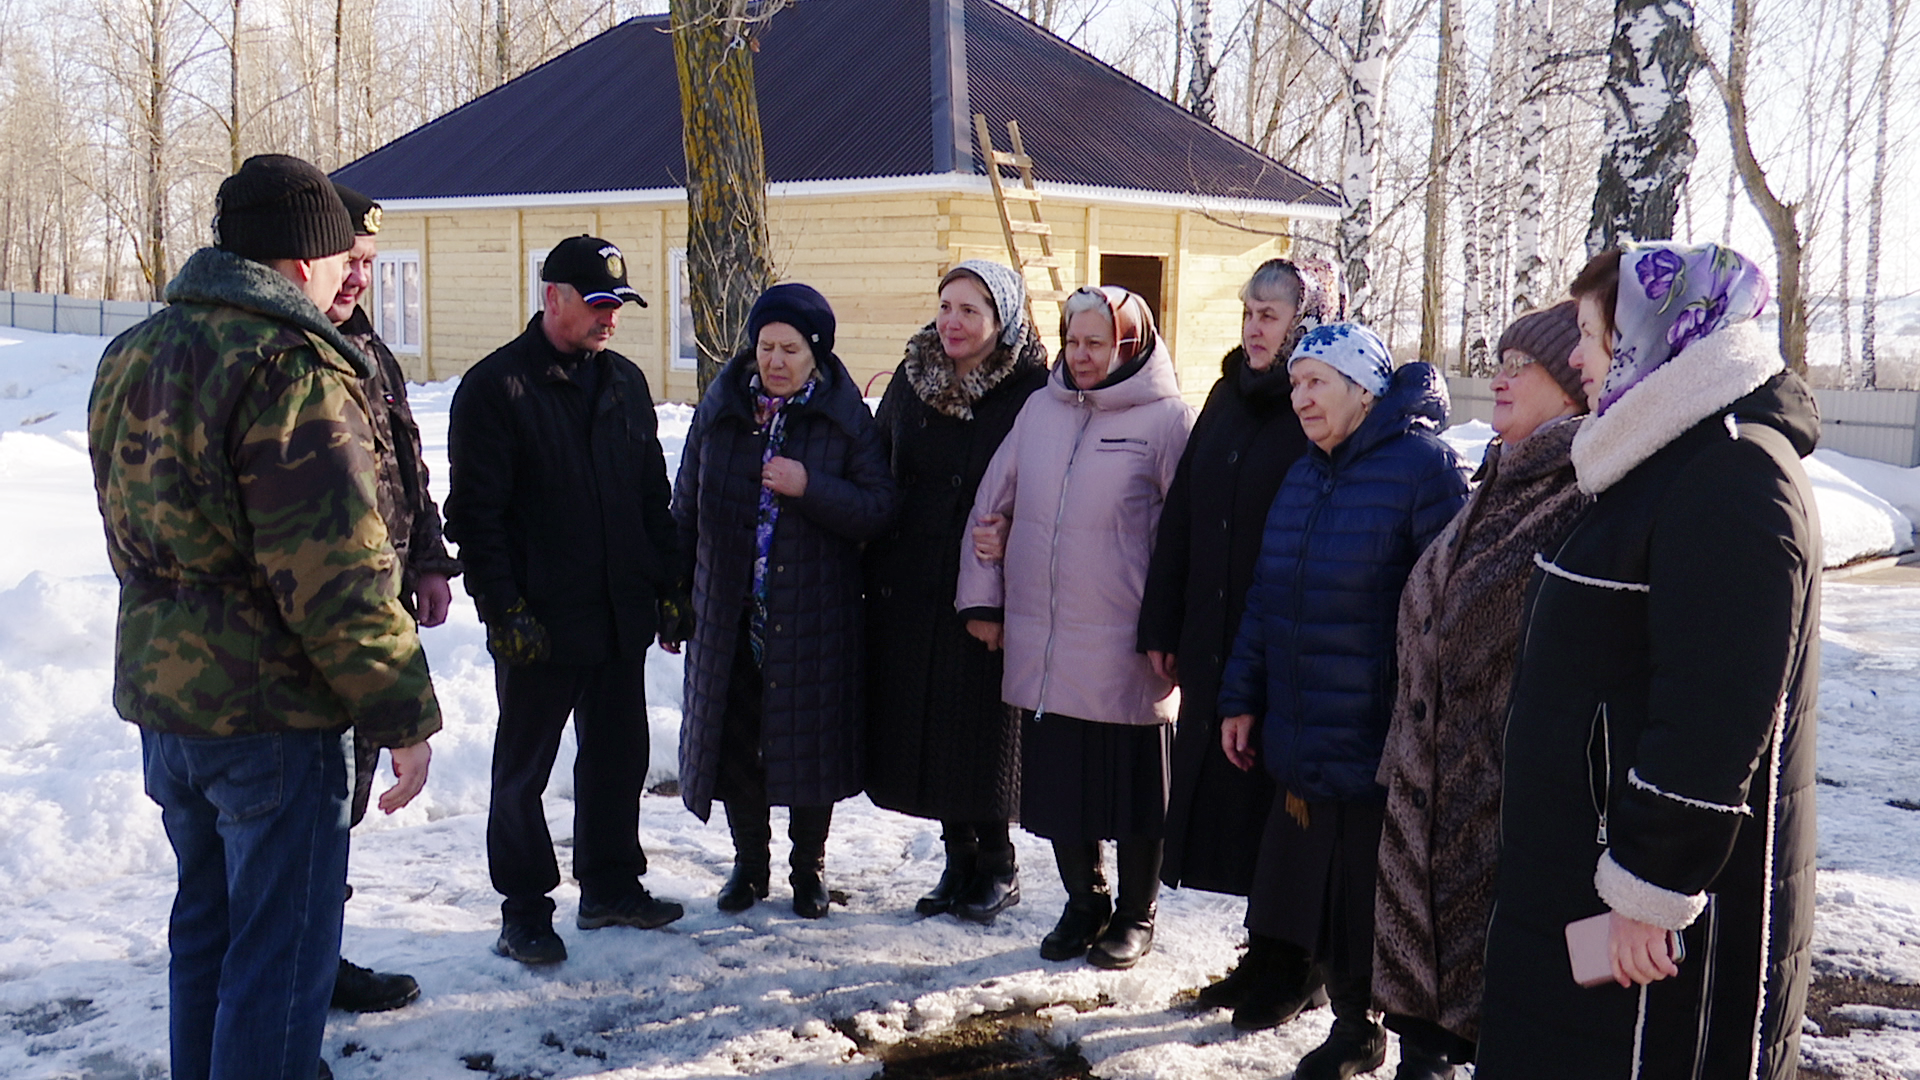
(1081,478)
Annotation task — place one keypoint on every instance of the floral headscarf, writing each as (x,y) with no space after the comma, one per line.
(1350,349)
(1323,298)
(1671,296)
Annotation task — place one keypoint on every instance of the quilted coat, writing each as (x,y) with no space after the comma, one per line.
(1245,440)
(1459,633)
(1315,651)
(1083,475)
(1660,746)
(940,742)
(812,732)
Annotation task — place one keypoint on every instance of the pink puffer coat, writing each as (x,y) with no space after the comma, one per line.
(1082,477)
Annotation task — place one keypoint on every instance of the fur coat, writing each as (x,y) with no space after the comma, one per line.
(1459,630)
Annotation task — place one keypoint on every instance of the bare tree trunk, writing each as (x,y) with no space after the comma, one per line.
(154,137)
(727,246)
(339,66)
(1433,249)
(1847,370)
(1530,288)
(502,42)
(1473,340)
(1781,218)
(233,92)
(1649,138)
(1200,41)
(1876,194)
(1365,81)
(1256,38)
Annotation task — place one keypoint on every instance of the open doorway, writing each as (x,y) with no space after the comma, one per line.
(1144,275)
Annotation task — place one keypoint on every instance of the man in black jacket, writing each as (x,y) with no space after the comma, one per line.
(413,524)
(560,505)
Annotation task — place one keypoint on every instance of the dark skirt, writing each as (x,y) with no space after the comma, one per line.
(1313,886)
(1082,780)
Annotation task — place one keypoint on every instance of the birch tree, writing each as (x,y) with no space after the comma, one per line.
(1530,290)
(1205,68)
(1365,81)
(1648,131)
(1433,281)
(1877,192)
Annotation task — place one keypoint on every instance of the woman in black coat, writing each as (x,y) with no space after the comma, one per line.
(1659,763)
(940,743)
(782,478)
(1245,440)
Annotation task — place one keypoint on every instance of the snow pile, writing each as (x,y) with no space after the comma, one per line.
(83,922)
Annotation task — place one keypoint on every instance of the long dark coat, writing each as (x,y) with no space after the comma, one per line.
(1458,634)
(813,725)
(1660,747)
(1242,445)
(940,743)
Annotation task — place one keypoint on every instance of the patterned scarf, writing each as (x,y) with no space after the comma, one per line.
(769,415)
(1323,299)
(1670,297)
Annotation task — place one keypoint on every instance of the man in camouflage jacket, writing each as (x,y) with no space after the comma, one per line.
(235,467)
(413,524)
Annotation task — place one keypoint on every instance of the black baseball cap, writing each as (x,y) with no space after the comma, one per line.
(594,267)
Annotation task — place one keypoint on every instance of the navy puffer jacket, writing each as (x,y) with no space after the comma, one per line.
(1315,652)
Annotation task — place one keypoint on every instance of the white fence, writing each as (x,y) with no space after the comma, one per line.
(52,313)
(1883,425)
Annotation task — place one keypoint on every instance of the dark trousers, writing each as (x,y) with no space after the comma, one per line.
(608,704)
(742,782)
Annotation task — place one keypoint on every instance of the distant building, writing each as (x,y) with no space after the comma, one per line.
(875,186)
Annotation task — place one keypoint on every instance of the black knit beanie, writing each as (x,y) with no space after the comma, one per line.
(799,306)
(1548,337)
(280,207)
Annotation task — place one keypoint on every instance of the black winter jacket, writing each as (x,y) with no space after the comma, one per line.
(812,729)
(561,501)
(1245,440)
(1315,653)
(940,743)
(1659,756)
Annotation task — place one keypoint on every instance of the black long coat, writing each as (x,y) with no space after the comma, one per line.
(1660,754)
(1245,440)
(812,729)
(560,499)
(941,744)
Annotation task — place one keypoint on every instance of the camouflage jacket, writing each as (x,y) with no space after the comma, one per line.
(406,502)
(236,470)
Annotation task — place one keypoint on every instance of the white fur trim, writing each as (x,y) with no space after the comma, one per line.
(1557,570)
(1710,375)
(1642,900)
(1634,778)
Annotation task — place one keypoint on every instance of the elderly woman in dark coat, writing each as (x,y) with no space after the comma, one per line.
(1245,440)
(940,743)
(1660,748)
(1459,631)
(1314,660)
(782,478)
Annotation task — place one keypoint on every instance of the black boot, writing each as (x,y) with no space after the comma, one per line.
(808,831)
(1355,1045)
(1130,935)
(1427,1050)
(752,839)
(1285,984)
(1231,989)
(1088,904)
(963,848)
(996,880)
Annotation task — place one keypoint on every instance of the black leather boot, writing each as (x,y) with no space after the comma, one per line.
(996,881)
(1231,989)
(1088,904)
(752,839)
(808,831)
(1356,1045)
(1427,1050)
(963,849)
(1129,936)
(1284,985)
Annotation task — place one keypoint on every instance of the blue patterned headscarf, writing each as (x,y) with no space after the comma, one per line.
(1350,349)
(1671,296)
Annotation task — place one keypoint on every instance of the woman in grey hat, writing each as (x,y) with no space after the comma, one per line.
(940,742)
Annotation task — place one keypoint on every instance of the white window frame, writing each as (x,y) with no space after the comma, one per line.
(679,312)
(536,289)
(395,336)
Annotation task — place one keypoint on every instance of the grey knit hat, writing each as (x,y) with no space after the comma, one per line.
(1548,337)
(1005,287)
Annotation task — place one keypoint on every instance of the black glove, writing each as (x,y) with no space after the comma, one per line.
(676,617)
(517,638)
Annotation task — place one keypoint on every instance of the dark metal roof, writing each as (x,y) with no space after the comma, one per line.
(848,89)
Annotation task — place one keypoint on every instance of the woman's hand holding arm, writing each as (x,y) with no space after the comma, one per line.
(1236,739)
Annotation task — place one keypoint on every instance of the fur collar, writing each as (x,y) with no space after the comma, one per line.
(1715,372)
(930,373)
(212,276)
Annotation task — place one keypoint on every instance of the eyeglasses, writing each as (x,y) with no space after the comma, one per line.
(1512,364)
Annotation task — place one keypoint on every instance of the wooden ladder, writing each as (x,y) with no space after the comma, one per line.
(1026,193)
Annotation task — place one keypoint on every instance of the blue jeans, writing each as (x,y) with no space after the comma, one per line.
(259,826)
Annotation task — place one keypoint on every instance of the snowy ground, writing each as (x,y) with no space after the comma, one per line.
(88,874)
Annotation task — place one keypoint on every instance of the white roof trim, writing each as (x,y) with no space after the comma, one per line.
(967,183)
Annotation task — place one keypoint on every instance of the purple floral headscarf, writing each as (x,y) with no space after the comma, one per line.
(1670,297)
